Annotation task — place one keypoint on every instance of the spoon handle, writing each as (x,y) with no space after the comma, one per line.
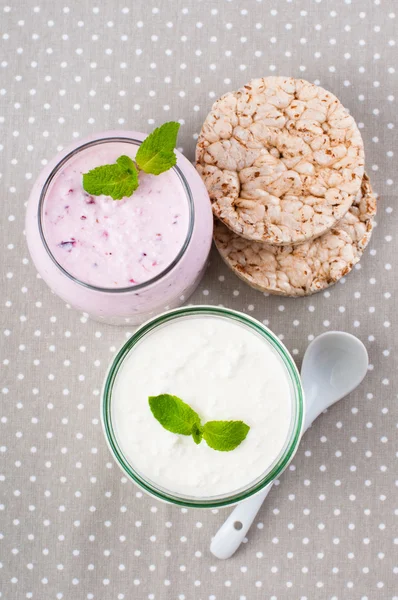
(228,538)
(232,533)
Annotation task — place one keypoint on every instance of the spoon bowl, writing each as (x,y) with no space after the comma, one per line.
(334,365)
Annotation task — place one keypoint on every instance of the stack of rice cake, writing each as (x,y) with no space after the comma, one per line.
(283,162)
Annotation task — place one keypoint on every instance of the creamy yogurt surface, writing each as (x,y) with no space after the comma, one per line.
(114,243)
(225,371)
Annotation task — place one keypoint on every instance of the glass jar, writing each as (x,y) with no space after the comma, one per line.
(138,302)
(271,471)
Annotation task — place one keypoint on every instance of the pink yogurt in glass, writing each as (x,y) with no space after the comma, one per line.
(120,261)
(114,243)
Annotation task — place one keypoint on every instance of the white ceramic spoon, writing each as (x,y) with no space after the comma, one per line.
(334,364)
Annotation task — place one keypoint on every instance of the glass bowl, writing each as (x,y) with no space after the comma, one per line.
(271,471)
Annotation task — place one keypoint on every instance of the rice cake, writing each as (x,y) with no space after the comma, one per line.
(282,160)
(306,268)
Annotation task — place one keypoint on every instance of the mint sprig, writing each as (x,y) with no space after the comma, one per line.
(154,156)
(177,416)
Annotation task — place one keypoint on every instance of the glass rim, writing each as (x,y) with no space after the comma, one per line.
(278,465)
(132,288)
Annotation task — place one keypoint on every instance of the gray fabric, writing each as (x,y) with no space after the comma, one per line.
(71,526)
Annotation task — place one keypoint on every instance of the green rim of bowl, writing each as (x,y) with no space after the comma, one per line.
(226,499)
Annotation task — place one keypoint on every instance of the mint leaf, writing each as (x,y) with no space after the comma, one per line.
(175,415)
(158,163)
(225,435)
(156,153)
(162,138)
(118,180)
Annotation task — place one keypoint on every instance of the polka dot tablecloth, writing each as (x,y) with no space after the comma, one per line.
(71,526)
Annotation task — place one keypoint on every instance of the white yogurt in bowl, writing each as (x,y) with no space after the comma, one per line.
(226,366)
